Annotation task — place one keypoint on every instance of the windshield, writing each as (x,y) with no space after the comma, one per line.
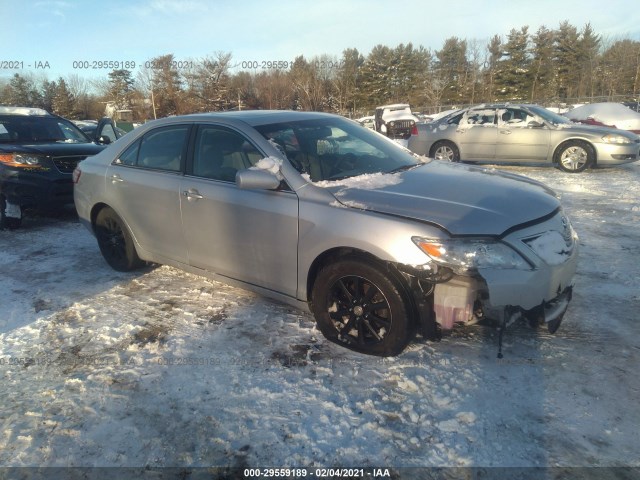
(549,116)
(32,129)
(335,148)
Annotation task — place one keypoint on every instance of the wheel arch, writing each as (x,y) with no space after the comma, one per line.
(95,210)
(336,254)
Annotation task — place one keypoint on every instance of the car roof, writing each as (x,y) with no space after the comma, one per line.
(24,111)
(396,105)
(259,117)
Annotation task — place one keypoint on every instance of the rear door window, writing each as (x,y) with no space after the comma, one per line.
(160,149)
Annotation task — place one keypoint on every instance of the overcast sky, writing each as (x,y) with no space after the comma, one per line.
(63,31)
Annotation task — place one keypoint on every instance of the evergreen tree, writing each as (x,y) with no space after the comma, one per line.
(49,90)
(451,70)
(620,70)
(121,89)
(494,49)
(513,75)
(63,101)
(347,79)
(588,48)
(22,92)
(374,88)
(542,71)
(566,60)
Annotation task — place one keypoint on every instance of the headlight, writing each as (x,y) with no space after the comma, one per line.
(467,255)
(615,138)
(21,159)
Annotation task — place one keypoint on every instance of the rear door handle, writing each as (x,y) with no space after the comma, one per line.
(192,194)
(505,132)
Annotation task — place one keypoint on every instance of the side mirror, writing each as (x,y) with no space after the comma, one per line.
(104,140)
(256,179)
(535,124)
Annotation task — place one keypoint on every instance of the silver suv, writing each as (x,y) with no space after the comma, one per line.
(317,211)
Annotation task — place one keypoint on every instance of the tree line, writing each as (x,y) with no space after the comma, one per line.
(559,65)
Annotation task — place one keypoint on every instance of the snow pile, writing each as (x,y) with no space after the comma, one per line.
(270,164)
(368,181)
(611,114)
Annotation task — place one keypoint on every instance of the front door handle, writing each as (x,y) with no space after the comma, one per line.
(192,194)
(116,178)
(505,132)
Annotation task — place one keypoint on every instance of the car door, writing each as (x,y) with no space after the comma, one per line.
(518,139)
(106,132)
(477,134)
(248,235)
(144,183)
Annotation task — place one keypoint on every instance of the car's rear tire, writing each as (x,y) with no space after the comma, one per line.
(5,221)
(445,150)
(575,156)
(358,305)
(115,241)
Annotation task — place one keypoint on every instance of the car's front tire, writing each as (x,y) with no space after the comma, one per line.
(358,305)
(115,241)
(444,150)
(575,156)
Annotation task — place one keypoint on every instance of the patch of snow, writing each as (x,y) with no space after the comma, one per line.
(367,181)
(160,368)
(269,164)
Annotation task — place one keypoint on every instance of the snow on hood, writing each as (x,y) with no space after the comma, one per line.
(368,181)
(613,114)
(464,200)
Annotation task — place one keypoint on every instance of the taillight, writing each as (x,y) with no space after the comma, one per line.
(414,129)
(76,175)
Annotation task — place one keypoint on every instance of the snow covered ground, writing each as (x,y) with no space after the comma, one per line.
(162,368)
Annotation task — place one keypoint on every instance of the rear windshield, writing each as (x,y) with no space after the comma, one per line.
(31,129)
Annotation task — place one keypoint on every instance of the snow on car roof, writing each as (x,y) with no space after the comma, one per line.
(396,106)
(608,113)
(22,111)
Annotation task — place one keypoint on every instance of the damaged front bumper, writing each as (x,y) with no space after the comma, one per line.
(540,294)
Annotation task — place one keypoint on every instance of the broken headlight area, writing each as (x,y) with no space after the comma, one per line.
(466,255)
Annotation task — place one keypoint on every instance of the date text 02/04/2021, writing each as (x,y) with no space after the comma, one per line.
(259,473)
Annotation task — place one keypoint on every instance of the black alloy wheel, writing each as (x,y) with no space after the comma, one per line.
(115,242)
(362,308)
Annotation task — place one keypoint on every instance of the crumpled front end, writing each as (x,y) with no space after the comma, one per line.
(539,292)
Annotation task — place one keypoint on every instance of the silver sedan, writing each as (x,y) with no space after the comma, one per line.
(523,134)
(315,210)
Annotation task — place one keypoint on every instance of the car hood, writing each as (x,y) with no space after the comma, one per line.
(595,130)
(461,199)
(54,149)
